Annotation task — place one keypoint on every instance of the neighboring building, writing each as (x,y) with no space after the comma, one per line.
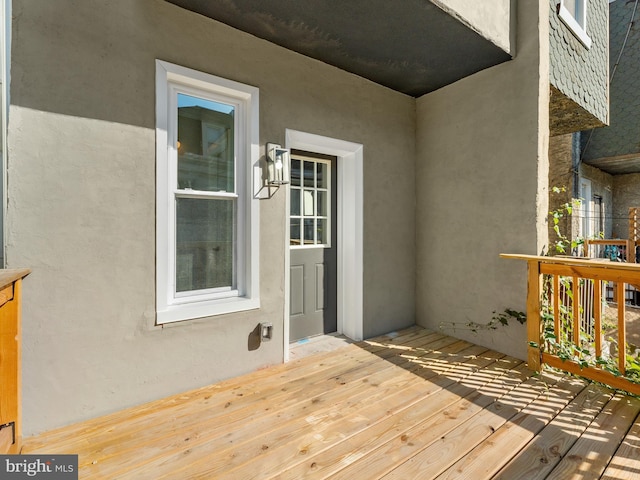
(601,166)
(136,155)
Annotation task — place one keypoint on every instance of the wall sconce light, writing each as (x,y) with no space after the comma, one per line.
(278,161)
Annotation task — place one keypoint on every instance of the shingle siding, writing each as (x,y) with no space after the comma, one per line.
(581,73)
(622,137)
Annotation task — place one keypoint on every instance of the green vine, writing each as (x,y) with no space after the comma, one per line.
(497,320)
(563,244)
(562,344)
(583,353)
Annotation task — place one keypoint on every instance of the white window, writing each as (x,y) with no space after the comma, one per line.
(207,225)
(574,15)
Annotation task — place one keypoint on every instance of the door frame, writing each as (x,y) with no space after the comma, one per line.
(350,230)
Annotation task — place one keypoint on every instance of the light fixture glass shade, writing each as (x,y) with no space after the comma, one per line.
(278,162)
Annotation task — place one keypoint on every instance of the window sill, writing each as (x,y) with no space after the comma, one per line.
(191,311)
(574,26)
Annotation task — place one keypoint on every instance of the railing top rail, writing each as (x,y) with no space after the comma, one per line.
(8,276)
(575,261)
(607,241)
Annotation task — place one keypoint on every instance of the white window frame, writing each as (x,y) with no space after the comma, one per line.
(171,306)
(577,25)
(586,226)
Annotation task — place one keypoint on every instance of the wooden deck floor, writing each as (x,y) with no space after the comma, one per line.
(410,405)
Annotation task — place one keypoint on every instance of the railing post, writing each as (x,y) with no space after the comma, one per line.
(534,323)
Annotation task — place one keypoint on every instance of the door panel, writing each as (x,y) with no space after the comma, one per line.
(296,306)
(313,254)
(319,286)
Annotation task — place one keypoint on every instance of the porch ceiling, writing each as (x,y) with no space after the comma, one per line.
(414,49)
(620,165)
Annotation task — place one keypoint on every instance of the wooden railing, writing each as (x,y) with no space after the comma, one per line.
(10,346)
(634,231)
(570,325)
(625,248)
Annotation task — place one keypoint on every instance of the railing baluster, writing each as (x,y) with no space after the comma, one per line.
(597,316)
(622,334)
(556,305)
(534,325)
(594,273)
(575,307)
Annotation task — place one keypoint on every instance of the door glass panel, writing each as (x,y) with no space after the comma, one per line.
(295,202)
(322,179)
(295,173)
(321,197)
(322,231)
(309,210)
(205,145)
(309,174)
(310,207)
(309,233)
(295,231)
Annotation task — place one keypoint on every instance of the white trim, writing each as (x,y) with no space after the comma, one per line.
(350,230)
(5,44)
(585,196)
(577,26)
(169,306)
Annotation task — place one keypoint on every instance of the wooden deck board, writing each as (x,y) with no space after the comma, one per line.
(593,451)
(542,454)
(488,457)
(411,404)
(626,463)
(457,443)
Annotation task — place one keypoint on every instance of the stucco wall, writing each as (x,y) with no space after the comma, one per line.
(490,18)
(580,73)
(82,199)
(482,146)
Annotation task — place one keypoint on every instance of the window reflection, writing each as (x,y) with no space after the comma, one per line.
(205,145)
(204,243)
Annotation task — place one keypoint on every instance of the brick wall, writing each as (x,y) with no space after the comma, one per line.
(627,195)
(560,175)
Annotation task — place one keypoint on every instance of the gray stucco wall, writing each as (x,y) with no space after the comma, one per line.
(482,146)
(578,72)
(82,199)
(491,18)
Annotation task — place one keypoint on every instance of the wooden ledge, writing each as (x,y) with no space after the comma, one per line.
(8,276)
(576,261)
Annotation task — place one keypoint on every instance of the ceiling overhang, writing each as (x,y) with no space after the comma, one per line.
(566,116)
(414,48)
(618,165)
